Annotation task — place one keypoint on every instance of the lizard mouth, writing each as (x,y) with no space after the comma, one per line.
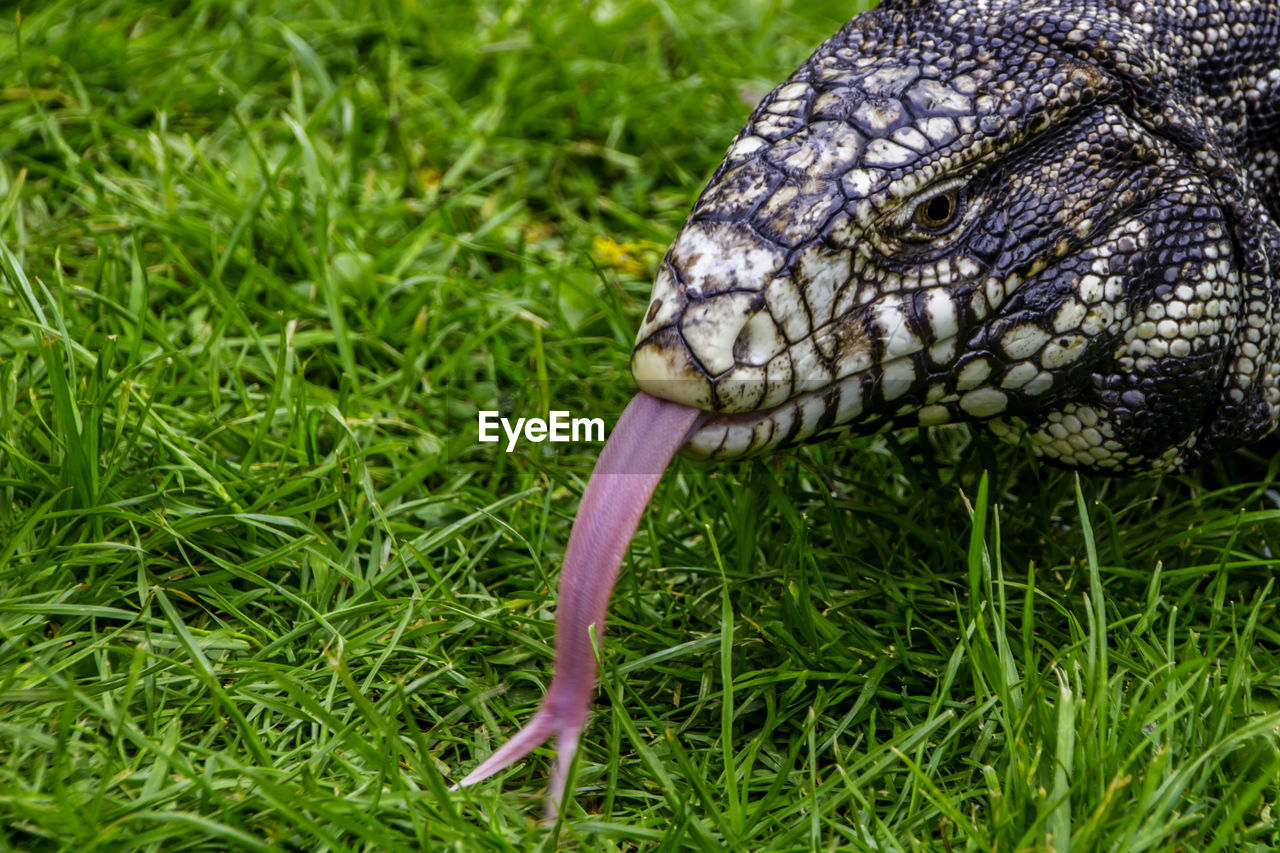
(751,411)
(734,435)
(722,436)
(868,366)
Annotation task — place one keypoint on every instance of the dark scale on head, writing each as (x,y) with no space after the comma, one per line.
(1058,220)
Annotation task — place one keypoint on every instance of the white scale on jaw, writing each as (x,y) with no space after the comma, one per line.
(711,327)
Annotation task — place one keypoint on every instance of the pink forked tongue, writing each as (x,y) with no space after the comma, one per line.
(639,449)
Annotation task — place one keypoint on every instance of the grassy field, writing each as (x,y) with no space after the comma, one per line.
(260,587)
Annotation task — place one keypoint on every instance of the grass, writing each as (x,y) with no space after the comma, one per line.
(260,588)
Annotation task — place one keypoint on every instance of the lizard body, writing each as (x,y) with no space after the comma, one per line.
(1057,219)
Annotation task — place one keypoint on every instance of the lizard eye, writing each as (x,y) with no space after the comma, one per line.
(931,222)
(936,215)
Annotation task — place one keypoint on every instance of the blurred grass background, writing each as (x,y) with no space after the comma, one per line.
(260,588)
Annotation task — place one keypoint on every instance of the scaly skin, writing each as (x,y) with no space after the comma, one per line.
(1058,219)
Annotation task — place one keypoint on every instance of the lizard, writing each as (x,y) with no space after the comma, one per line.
(1057,219)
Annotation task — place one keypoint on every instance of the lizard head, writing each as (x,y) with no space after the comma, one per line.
(934,221)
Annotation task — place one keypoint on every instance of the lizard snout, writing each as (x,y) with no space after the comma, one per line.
(709,330)
(716,344)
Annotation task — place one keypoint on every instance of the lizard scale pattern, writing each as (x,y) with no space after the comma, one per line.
(1055,218)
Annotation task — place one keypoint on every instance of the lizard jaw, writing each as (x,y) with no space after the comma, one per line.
(668,373)
(736,429)
(735,435)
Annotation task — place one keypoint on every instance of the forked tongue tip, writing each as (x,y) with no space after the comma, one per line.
(530,737)
(642,444)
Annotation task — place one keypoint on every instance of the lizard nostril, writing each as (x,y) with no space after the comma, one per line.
(653,310)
